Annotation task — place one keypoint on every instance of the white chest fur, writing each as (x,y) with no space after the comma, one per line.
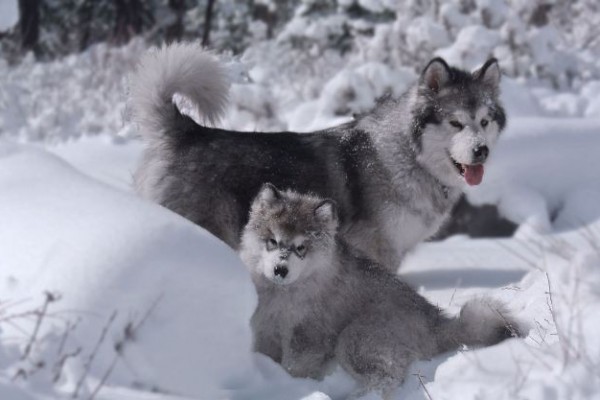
(404,228)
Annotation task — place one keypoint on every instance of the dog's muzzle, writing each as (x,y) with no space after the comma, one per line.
(480,154)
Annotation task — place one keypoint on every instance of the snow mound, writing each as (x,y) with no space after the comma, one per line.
(559,301)
(174,301)
(545,172)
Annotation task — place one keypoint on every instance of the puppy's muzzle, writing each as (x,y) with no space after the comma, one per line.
(281,271)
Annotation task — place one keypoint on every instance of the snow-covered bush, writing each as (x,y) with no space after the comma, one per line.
(325,40)
(80,94)
(304,65)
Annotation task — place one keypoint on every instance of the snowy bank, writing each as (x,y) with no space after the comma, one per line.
(174,301)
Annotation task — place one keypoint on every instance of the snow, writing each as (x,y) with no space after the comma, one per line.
(517,100)
(493,12)
(9,14)
(473,44)
(545,169)
(69,97)
(558,359)
(424,33)
(103,251)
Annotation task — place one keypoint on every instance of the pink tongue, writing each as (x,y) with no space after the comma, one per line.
(473,174)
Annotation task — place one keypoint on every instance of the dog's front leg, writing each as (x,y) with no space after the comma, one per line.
(308,352)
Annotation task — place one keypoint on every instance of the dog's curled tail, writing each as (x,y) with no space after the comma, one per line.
(182,68)
(482,322)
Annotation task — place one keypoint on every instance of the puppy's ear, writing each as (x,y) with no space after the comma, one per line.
(489,74)
(436,74)
(326,212)
(268,194)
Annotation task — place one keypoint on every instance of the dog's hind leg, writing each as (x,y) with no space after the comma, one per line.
(373,357)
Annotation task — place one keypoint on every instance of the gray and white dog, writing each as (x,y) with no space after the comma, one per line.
(319,301)
(395,172)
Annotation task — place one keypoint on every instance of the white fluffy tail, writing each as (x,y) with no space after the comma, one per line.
(481,322)
(183,68)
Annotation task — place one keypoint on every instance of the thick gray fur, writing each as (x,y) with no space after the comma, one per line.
(390,171)
(335,305)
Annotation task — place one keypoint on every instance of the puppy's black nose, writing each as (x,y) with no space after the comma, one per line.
(480,154)
(281,271)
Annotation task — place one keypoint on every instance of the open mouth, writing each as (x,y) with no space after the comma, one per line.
(472,173)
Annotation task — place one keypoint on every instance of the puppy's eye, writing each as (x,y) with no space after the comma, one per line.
(300,250)
(271,244)
(457,124)
(484,122)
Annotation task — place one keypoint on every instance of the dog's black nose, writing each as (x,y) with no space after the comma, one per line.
(281,271)
(480,154)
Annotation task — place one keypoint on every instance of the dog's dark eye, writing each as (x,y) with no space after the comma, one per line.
(271,244)
(300,250)
(484,122)
(456,124)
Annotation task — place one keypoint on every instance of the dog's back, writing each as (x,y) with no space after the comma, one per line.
(210,176)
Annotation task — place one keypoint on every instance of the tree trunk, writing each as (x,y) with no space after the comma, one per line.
(208,22)
(129,20)
(85,24)
(174,32)
(29,24)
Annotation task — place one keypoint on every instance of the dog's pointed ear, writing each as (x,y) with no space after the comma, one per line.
(326,212)
(268,194)
(489,74)
(436,74)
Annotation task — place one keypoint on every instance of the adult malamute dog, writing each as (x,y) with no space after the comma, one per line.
(320,302)
(395,172)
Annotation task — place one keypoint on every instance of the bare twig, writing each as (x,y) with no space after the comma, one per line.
(105,377)
(92,356)
(562,339)
(458,283)
(70,327)
(132,328)
(508,325)
(420,378)
(50,298)
(8,304)
(58,367)
(129,334)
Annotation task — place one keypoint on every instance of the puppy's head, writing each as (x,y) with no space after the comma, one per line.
(457,119)
(289,236)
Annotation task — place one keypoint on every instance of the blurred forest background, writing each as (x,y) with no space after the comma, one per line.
(556,40)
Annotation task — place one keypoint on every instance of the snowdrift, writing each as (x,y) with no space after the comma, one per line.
(149,299)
